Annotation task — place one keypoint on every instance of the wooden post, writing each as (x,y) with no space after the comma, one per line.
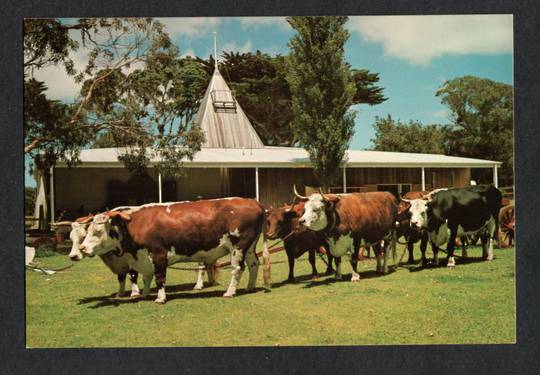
(51,193)
(159,186)
(257,183)
(495,176)
(344,179)
(423,179)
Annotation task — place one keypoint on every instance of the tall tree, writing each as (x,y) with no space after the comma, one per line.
(392,135)
(322,92)
(149,113)
(482,122)
(259,83)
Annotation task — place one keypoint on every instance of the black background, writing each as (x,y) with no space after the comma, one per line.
(521,358)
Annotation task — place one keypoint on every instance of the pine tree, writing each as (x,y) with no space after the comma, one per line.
(322,91)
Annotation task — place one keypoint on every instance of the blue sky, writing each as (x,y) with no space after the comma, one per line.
(413,55)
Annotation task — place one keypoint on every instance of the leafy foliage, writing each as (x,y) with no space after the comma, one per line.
(117,107)
(482,121)
(47,42)
(261,88)
(50,124)
(29,200)
(392,135)
(322,91)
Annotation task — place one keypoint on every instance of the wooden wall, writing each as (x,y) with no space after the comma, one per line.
(83,190)
(276,184)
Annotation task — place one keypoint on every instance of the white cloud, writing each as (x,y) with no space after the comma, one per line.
(255,22)
(189,52)
(246,47)
(190,26)
(441,114)
(420,39)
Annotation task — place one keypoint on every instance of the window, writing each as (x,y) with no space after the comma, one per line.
(223,101)
(397,189)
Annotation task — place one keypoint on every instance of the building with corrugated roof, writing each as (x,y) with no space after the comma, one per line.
(234,162)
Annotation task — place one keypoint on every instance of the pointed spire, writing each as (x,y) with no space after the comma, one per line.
(215,51)
(221,118)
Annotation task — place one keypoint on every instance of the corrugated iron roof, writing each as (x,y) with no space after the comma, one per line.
(223,121)
(291,157)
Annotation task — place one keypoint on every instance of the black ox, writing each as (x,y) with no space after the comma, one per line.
(451,213)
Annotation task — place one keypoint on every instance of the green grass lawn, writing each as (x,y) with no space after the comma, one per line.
(473,303)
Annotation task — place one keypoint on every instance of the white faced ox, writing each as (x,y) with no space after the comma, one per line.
(450,213)
(349,220)
(201,231)
(122,263)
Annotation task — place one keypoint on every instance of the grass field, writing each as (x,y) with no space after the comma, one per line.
(473,303)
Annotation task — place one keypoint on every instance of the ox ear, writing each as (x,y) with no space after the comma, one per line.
(116,215)
(331,202)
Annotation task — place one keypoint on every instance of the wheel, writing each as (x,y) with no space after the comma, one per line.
(507,226)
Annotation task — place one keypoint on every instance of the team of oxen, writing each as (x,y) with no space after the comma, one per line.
(147,239)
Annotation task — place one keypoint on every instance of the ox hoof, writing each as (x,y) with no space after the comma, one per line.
(329,272)
(135,294)
(314,277)
(197,287)
(338,277)
(160,301)
(228,295)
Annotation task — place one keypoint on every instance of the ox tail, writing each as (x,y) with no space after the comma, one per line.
(265,253)
(393,244)
(266,260)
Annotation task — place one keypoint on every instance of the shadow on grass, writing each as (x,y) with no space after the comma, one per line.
(173,292)
(442,263)
(347,277)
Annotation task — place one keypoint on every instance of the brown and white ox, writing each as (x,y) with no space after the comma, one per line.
(122,264)
(200,231)
(283,222)
(411,234)
(348,220)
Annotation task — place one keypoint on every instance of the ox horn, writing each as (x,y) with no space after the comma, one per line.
(84,219)
(60,223)
(123,215)
(296,193)
(405,200)
(324,197)
(429,196)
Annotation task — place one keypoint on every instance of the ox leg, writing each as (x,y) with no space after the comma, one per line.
(135,292)
(423,246)
(385,246)
(237,270)
(147,280)
(252,261)
(290,257)
(492,230)
(330,258)
(354,261)
(410,249)
(211,270)
(200,277)
(338,268)
(464,242)
(121,284)
(160,271)
(451,262)
(435,251)
(311,258)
